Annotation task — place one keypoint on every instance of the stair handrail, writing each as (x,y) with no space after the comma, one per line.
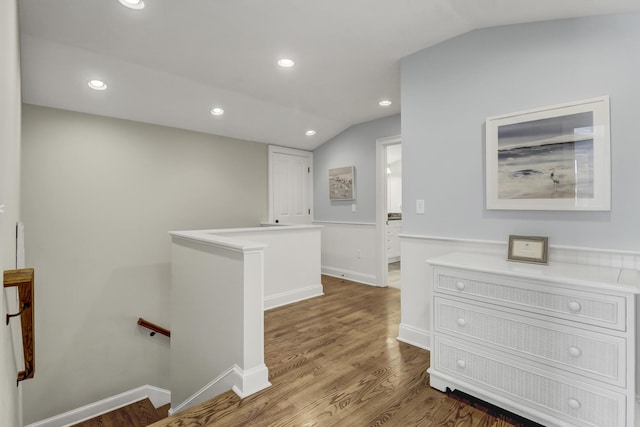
(154,328)
(23,280)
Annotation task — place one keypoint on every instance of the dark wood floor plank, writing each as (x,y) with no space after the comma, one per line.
(452,412)
(163,411)
(335,361)
(137,414)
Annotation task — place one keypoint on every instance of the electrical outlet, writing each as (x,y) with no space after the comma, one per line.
(358,254)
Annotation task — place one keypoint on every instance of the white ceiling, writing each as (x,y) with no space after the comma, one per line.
(172,61)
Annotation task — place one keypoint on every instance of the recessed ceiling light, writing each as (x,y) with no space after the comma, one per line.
(97,85)
(217,111)
(133,4)
(286,63)
(384,103)
(310,132)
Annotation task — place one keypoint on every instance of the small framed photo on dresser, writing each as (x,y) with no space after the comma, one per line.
(533,249)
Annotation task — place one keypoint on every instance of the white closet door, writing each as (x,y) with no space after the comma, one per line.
(290,186)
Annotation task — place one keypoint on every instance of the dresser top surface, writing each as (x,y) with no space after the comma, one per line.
(619,279)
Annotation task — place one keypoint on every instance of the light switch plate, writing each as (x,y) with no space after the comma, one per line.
(419,206)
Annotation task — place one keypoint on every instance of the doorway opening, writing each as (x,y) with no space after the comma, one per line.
(389,209)
(394,212)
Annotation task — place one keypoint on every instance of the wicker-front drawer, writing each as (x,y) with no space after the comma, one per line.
(533,387)
(586,307)
(595,355)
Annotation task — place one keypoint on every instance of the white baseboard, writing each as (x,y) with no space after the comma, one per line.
(243,383)
(252,381)
(367,279)
(284,298)
(221,384)
(414,336)
(157,396)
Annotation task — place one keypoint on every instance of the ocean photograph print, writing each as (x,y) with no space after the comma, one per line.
(550,158)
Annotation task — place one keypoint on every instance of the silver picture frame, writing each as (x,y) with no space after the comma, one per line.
(342,183)
(530,249)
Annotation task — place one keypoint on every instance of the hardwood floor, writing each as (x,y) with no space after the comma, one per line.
(335,361)
(393,275)
(138,414)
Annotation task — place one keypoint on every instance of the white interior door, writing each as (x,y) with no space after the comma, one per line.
(290,186)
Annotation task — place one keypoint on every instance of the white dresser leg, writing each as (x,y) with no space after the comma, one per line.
(437,382)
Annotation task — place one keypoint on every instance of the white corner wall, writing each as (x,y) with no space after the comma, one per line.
(292,257)
(217,291)
(98,198)
(10,403)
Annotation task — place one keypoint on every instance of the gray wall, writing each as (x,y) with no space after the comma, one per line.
(355,146)
(98,198)
(9,196)
(450,89)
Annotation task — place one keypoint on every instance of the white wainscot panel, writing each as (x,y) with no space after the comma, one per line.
(349,251)
(417,286)
(291,261)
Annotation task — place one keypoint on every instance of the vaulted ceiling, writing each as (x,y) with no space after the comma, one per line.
(171,62)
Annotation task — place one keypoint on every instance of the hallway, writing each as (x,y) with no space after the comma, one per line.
(335,360)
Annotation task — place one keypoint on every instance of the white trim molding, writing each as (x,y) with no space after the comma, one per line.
(243,383)
(366,224)
(295,295)
(349,251)
(414,336)
(354,276)
(558,253)
(157,396)
(220,384)
(251,381)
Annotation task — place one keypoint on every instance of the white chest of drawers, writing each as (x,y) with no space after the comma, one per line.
(555,344)
(393,240)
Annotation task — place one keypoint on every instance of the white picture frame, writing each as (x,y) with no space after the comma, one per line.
(550,158)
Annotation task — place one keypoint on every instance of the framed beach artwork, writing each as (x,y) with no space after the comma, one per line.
(550,158)
(341,183)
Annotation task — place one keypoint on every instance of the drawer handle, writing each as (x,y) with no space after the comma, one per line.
(460,286)
(462,364)
(575,351)
(575,306)
(461,322)
(574,404)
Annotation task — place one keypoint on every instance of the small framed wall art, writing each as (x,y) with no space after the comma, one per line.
(550,158)
(533,249)
(341,183)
